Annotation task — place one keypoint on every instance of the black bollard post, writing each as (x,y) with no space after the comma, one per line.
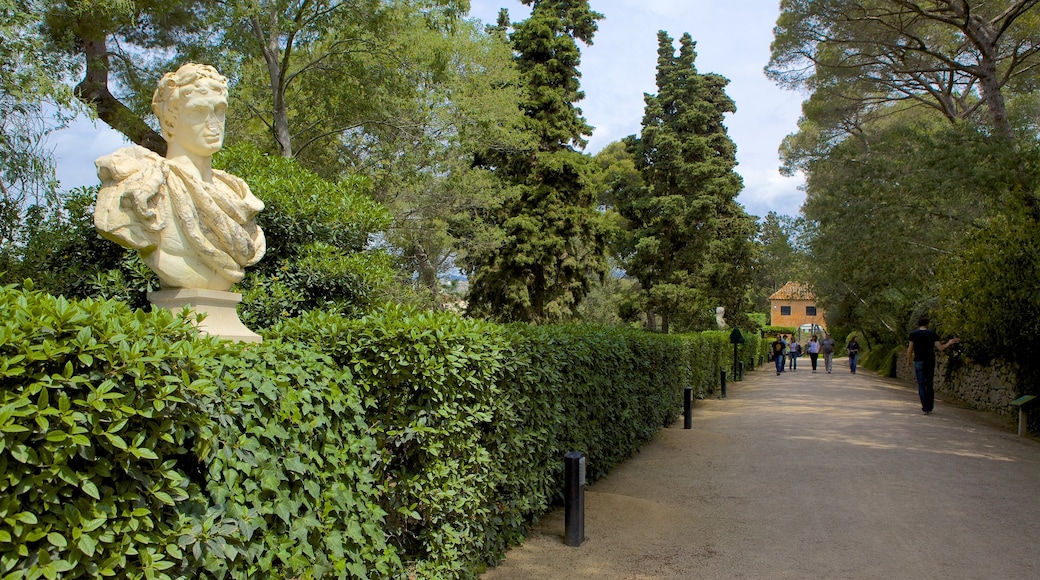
(736,375)
(688,408)
(740,367)
(574,497)
(723,383)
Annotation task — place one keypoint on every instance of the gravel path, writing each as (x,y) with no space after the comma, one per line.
(808,476)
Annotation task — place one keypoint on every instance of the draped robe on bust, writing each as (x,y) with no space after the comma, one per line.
(193,234)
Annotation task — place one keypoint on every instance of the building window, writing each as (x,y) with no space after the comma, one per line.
(810,311)
(785,311)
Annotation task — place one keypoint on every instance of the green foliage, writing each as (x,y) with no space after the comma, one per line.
(551,240)
(29,77)
(64,255)
(472,418)
(99,416)
(401,444)
(882,359)
(783,256)
(318,234)
(989,295)
(429,383)
(290,470)
(958,58)
(132,448)
(887,207)
(689,243)
(774,330)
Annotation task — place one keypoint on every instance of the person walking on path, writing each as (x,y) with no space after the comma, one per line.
(778,353)
(827,347)
(921,353)
(853,348)
(796,351)
(813,348)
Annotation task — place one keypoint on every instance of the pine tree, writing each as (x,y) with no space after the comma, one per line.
(552,240)
(691,242)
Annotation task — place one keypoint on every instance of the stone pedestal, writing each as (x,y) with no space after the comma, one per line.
(219,307)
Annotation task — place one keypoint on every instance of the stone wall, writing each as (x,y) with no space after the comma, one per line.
(987,388)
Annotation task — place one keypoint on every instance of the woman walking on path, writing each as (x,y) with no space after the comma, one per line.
(827,346)
(813,348)
(796,351)
(853,348)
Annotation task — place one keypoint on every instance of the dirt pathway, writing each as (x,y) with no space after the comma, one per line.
(808,476)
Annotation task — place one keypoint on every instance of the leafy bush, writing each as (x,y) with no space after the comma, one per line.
(318,236)
(98,417)
(134,448)
(473,418)
(401,444)
(989,295)
(290,468)
(64,255)
(429,384)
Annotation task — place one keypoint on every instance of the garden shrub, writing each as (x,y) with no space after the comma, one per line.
(473,418)
(134,448)
(404,444)
(429,384)
(98,415)
(291,468)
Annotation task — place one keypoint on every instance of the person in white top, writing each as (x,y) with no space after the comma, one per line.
(796,351)
(813,348)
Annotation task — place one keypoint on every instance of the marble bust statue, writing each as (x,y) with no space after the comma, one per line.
(192,224)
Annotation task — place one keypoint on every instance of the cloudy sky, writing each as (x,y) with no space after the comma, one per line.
(732,38)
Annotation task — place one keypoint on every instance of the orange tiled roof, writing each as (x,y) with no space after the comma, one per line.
(794,291)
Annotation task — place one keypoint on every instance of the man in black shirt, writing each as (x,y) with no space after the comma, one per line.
(921,353)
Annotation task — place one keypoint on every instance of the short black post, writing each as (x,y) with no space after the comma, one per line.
(736,375)
(723,383)
(740,371)
(574,497)
(688,408)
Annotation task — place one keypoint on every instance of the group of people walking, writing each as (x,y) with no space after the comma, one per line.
(786,352)
(920,354)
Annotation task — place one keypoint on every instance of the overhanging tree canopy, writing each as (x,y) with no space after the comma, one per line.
(956,56)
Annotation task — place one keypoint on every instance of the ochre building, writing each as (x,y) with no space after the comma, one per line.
(795,305)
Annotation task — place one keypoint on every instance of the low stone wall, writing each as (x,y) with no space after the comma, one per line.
(987,388)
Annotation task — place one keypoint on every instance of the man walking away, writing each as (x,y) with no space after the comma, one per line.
(827,346)
(921,353)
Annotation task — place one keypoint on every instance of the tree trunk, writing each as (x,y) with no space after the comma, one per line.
(270,46)
(651,321)
(986,38)
(427,273)
(93,90)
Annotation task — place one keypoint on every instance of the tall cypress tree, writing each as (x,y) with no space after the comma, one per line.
(552,240)
(691,242)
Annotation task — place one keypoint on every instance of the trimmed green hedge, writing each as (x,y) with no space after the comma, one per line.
(134,449)
(402,444)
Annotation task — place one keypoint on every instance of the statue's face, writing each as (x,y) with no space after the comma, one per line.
(199,128)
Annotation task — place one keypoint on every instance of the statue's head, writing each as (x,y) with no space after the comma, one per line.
(191,104)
